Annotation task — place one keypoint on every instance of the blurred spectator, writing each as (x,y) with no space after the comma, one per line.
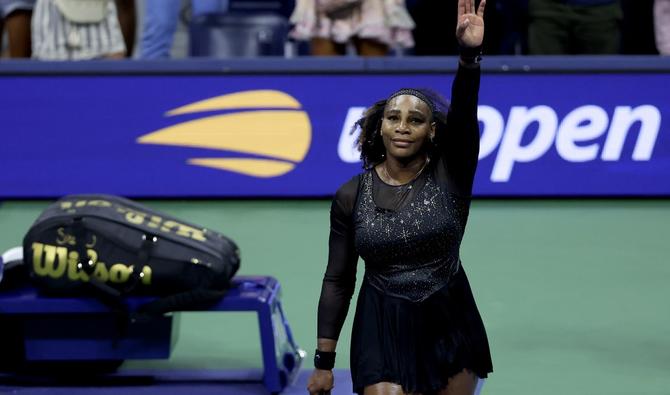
(15,19)
(373,26)
(662,25)
(433,19)
(637,28)
(512,23)
(564,27)
(128,22)
(76,30)
(506,27)
(160,24)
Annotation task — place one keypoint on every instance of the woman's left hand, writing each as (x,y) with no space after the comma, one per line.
(470,26)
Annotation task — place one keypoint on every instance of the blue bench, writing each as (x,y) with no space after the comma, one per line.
(84,329)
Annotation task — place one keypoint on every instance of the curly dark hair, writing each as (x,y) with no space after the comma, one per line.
(370,141)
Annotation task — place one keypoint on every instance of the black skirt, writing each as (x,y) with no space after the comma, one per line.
(418,345)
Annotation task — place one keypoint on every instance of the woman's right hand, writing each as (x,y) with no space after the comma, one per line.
(320,382)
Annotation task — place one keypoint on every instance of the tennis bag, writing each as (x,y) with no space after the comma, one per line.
(114,247)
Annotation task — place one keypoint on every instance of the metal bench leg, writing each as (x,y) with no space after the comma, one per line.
(292,355)
(273,379)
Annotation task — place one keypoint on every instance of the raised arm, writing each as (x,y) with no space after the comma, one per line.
(461,142)
(470,25)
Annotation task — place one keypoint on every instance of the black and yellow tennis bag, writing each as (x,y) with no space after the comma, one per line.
(115,247)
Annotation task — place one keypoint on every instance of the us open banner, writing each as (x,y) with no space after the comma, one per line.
(289,135)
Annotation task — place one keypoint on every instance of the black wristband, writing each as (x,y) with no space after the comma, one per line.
(471,55)
(324,360)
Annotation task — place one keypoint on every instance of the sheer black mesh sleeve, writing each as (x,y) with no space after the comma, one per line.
(460,144)
(340,279)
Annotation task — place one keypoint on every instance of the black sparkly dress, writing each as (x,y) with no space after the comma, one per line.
(416,321)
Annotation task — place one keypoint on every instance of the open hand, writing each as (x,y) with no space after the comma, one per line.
(320,382)
(470,25)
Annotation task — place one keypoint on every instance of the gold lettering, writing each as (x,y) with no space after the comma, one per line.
(67,205)
(187,231)
(64,238)
(38,264)
(53,261)
(119,273)
(61,253)
(146,275)
(92,243)
(155,222)
(74,272)
(101,272)
(135,217)
(92,255)
(184,230)
(168,225)
(47,266)
(49,258)
(99,203)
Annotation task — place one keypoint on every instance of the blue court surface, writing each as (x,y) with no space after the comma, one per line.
(173,383)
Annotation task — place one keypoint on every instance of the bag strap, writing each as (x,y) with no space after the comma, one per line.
(106,292)
(78,229)
(189,300)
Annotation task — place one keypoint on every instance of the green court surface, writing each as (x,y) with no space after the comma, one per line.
(574,294)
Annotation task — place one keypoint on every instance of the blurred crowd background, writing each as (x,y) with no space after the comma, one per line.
(162,29)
